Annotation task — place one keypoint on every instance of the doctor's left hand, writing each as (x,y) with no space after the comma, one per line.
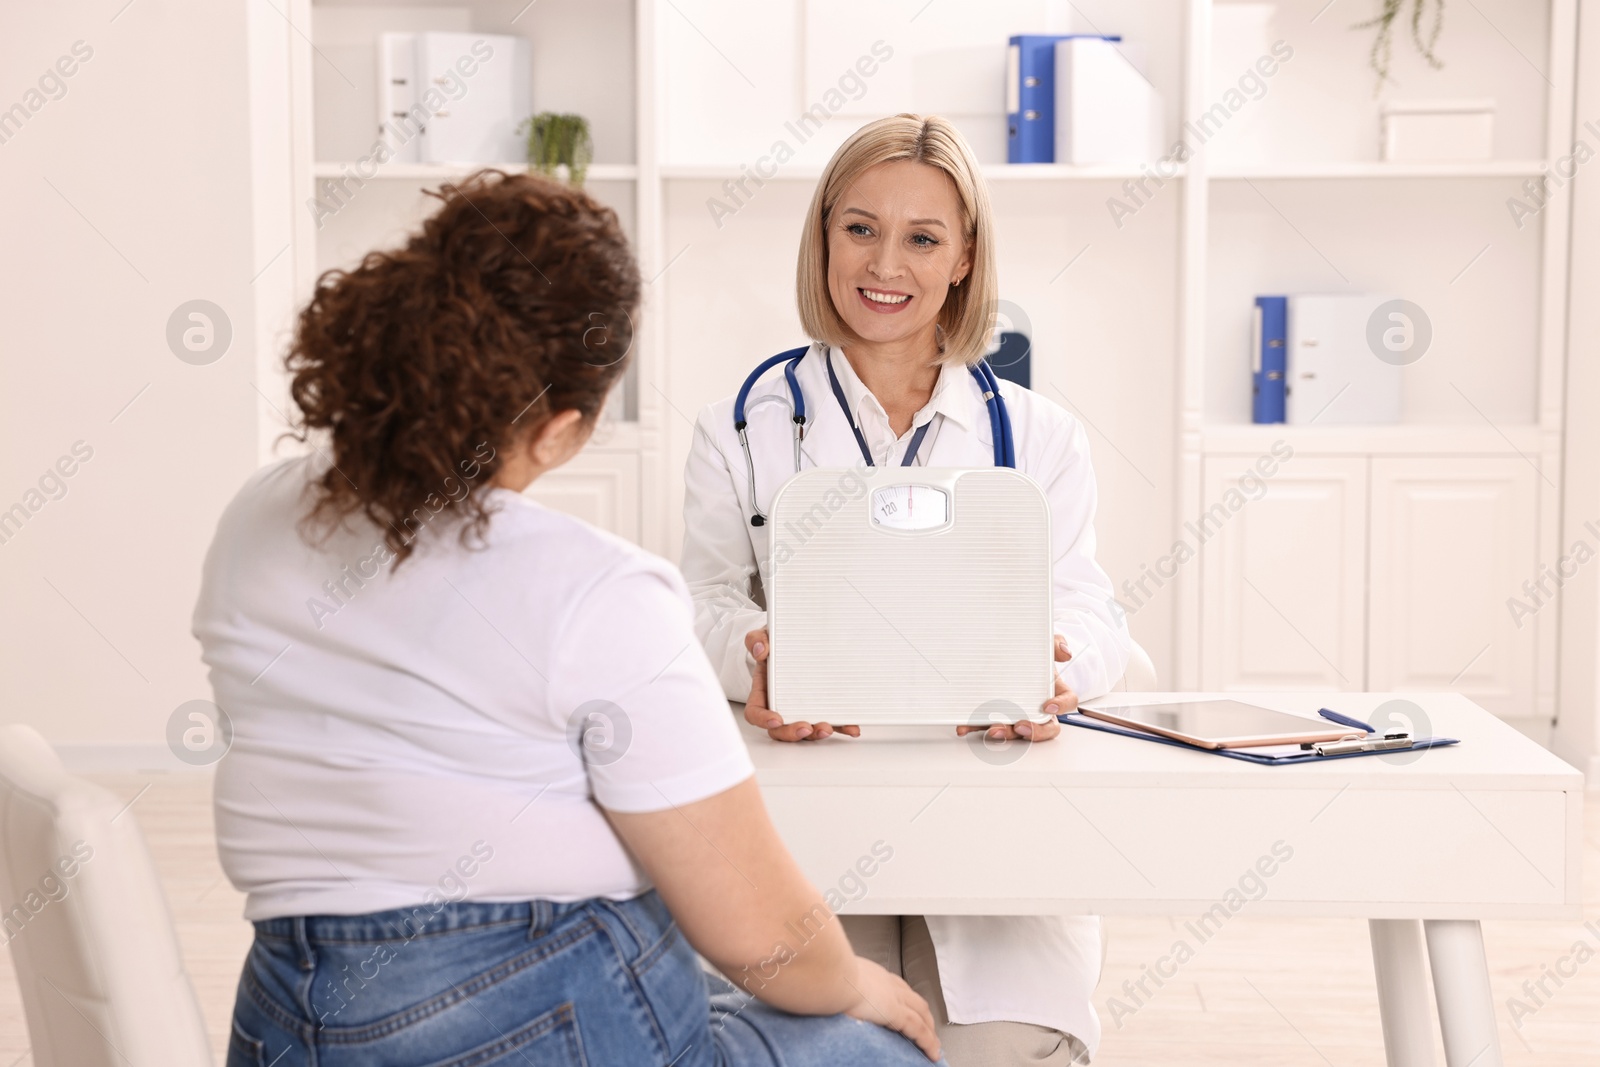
(1064,701)
(756,712)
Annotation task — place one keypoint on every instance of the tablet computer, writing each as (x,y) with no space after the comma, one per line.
(1223,724)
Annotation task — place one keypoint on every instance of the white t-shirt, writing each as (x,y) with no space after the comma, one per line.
(404,737)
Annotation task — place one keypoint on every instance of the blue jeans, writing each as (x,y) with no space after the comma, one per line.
(599,983)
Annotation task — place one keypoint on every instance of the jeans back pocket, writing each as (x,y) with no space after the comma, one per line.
(674,989)
(551,1040)
(244,1050)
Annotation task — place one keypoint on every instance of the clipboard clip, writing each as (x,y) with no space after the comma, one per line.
(1396,740)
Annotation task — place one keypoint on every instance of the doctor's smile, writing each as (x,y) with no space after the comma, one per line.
(884,302)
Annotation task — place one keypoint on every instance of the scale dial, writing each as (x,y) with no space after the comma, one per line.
(910,507)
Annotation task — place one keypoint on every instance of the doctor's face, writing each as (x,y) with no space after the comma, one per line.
(895,244)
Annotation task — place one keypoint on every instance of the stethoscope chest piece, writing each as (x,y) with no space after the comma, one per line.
(988,385)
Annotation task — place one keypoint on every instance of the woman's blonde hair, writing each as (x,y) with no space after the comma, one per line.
(967,317)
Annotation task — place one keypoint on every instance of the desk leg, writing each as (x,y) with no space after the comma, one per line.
(1461,984)
(1402,974)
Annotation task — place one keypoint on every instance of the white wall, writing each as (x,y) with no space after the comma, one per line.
(124,198)
(1577,729)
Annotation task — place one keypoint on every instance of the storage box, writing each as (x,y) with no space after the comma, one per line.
(1334,376)
(1438,131)
(447,97)
(1106,111)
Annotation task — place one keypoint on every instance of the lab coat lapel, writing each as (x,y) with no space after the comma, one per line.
(828,443)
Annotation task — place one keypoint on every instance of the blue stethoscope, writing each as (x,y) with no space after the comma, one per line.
(999,418)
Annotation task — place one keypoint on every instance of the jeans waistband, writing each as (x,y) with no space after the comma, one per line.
(642,913)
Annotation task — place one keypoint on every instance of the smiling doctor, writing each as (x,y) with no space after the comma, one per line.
(897,288)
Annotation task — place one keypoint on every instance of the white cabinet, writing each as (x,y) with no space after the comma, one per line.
(599,487)
(1376,573)
(1283,599)
(1452,539)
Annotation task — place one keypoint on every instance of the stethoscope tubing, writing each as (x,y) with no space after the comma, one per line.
(999,417)
(1000,430)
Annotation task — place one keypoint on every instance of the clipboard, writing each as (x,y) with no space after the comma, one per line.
(1075,719)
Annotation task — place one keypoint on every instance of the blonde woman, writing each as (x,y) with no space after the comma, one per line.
(897,288)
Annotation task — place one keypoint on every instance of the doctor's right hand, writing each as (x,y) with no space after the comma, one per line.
(756,712)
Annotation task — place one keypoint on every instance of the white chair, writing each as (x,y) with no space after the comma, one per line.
(1140,674)
(102,981)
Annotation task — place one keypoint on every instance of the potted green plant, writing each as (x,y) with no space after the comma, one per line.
(1383,43)
(556,140)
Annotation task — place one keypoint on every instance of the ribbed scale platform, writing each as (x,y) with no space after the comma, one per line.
(877,626)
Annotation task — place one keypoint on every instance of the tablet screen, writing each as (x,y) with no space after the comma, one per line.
(1218,719)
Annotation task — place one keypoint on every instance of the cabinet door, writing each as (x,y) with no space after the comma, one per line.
(1283,574)
(601,488)
(1452,539)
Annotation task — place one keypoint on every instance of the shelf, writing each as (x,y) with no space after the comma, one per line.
(1010,172)
(1006,172)
(1401,439)
(716,172)
(1493,168)
(598,172)
(1077,172)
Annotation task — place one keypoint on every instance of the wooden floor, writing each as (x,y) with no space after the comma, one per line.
(1267,992)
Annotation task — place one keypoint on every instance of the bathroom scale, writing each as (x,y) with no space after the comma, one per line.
(910,596)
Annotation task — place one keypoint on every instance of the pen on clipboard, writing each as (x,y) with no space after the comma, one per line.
(1345,720)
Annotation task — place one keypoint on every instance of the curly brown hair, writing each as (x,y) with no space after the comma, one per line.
(514,302)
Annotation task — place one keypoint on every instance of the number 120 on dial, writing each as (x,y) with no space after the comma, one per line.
(910,507)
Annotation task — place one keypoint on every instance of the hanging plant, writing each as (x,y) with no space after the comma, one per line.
(1383,43)
(556,140)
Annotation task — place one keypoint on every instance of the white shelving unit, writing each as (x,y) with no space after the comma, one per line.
(1496,168)
(436,172)
(1137,321)
(994,172)
(1383,546)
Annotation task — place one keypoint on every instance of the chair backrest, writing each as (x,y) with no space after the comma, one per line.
(1140,674)
(97,960)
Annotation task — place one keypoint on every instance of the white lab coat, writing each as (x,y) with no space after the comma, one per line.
(1025,969)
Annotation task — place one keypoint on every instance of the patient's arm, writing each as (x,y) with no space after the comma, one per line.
(739,898)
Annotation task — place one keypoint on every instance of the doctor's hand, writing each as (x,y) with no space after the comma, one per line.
(1064,701)
(756,712)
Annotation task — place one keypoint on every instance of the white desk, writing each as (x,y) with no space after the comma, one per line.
(1422,844)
